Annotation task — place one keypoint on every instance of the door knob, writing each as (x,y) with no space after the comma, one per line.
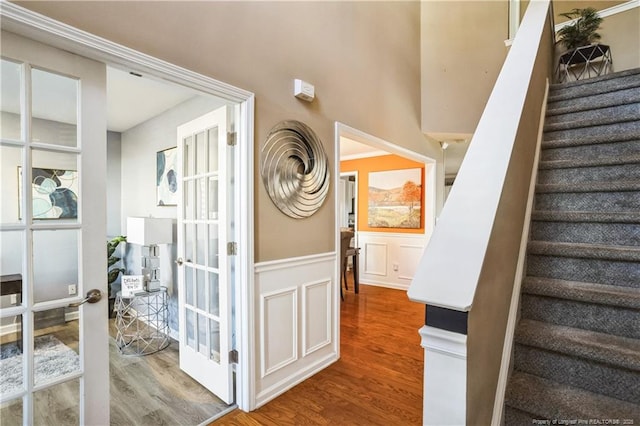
(179,261)
(93,296)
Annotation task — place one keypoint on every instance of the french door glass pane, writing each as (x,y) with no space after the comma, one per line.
(213,198)
(189,200)
(10,101)
(201,153)
(214,294)
(214,327)
(189,241)
(188,285)
(55,263)
(201,299)
(54,108)
(11,413)
(213,149)
(10,183)
(214,252)
(201,238)
(56,345)
(201,199)
(202,334)
(55,185)
(11,252)
(187,156)
(190,326)
(11,346)
(58,405)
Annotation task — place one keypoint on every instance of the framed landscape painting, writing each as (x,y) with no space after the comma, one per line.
(395,199)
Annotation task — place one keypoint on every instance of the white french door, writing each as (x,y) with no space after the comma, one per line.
(55,358)
(204,251)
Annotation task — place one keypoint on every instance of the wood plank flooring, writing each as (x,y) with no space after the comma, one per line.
(148,390)
(378,379)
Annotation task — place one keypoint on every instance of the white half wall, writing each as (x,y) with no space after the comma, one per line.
(296,333)
(388,259)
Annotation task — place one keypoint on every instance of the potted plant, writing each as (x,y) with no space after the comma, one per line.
(582,32)
(584,58)
(113,272)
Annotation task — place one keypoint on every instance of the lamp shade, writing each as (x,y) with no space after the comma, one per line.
(148,231)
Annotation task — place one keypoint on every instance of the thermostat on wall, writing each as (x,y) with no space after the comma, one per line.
(303,90)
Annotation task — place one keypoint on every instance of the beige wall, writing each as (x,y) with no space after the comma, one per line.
(564,6)
(462,53)
(363,58)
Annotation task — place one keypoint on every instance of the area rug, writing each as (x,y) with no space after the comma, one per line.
(52,358)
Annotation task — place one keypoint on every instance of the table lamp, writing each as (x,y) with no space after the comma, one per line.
(149,232)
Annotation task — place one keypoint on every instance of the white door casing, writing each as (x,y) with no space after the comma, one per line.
(204,278)
(85,149)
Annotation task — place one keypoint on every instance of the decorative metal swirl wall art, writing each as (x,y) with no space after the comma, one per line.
(295,169)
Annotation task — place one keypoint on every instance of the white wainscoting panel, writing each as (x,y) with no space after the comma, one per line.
(375,258)
(389,259)
(316,317)
(297,319)
(278,329)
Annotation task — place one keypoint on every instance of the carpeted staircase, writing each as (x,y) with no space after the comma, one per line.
(577,344)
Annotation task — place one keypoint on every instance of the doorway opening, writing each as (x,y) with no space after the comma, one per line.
(49,32)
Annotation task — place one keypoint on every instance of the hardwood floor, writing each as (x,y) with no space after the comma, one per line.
(148,390)
(378,379)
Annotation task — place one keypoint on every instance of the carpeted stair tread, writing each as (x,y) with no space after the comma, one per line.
(588,162)
(601,347)
(615,186)
(601,100)
(601,131)
(587,217)
(619,149)
(601,294)
(549,143)
(598,117)
(588,87)
(584,251)
(551,400)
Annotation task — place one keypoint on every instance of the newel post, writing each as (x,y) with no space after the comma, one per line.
(444,339)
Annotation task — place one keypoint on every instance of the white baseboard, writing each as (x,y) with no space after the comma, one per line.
(377,283)
(13,328)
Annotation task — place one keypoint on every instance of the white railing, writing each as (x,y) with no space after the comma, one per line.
(471,262)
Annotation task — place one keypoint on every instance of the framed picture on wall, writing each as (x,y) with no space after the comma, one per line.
(166,177)
(395,199)
(54,193)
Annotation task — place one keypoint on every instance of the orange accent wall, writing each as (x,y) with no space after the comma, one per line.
(377,164)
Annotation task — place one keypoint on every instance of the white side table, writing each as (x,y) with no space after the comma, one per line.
(141,322)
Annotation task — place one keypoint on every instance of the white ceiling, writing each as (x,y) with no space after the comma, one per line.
(131,99)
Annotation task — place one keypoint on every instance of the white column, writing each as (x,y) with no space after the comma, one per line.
(445,377)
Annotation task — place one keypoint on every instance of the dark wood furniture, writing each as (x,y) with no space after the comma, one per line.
(346,251)
(12,284)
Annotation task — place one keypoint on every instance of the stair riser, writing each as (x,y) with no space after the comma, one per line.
(590,174)
(623,274)
(609,114)
(581,90)
(584,152)
(587,316)
(604,100)
(625,234)
(627,201)
(592,376)
(602,132)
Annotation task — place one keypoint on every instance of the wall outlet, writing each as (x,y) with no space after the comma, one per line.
(72,289)
(14,299)
(395,267)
